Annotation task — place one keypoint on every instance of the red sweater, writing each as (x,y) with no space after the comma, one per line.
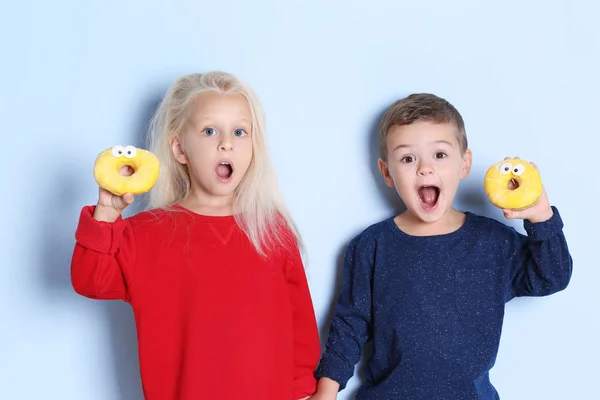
(214,320)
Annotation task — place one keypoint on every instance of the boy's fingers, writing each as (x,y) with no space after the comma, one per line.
(512,214)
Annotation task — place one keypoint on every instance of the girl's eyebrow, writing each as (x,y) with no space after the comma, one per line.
(200,123)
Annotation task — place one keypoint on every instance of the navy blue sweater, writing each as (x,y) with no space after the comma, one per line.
(433,306)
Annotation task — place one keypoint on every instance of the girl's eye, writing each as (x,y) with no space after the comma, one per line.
(440,155)
(408,159)
(210,131)
(239,132)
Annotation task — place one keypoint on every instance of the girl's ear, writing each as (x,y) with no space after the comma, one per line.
(177,149)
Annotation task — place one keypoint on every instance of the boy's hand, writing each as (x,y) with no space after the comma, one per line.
(318,396)
(539,212)
(327,389)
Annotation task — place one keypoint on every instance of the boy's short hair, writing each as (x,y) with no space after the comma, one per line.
(421,107)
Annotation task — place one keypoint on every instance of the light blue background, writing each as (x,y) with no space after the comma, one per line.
(77,77)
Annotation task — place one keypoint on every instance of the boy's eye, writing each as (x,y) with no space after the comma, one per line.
(210,131)
(440,155)
(239,132)
(408,159)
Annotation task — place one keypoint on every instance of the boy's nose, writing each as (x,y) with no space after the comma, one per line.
(425,169)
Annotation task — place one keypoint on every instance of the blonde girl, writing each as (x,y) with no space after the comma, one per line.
(212,268)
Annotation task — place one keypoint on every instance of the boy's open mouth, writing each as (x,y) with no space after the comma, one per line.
(429,196)
(224,170)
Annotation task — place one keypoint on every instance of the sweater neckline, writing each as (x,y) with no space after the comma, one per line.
(225,219)
(444,237)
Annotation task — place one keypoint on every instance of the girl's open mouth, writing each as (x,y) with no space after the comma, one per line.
(224,170)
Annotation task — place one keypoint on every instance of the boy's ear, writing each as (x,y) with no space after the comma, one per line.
(467,162)
(177,149)
(385,172)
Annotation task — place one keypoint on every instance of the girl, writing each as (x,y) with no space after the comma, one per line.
(212,269)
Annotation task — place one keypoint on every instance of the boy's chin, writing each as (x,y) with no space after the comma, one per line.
(427,214)
(428,218)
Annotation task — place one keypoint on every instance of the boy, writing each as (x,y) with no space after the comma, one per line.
(429,286)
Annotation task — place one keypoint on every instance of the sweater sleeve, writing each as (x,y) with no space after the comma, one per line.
(540,264)
(351,324)
(307,347)
(103,258)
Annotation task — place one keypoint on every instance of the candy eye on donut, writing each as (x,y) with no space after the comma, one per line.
(117,151)
(505,168)
(518,169)
(130,151)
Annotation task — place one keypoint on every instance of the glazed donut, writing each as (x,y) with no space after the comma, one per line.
(513,184)
(145,165)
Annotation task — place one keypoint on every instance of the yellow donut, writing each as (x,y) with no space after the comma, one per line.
(145,165)
(513,184)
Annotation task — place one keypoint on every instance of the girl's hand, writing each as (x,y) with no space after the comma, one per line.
(539,212)
(110,206)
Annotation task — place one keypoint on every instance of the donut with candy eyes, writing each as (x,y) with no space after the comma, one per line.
(109,162)
(513,184)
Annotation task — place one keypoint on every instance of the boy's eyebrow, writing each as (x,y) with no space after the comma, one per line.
(400,146)
(403,146)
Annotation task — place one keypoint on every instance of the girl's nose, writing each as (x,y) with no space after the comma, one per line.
(226,144)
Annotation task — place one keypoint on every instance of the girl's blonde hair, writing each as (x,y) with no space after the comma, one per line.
(258,205)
